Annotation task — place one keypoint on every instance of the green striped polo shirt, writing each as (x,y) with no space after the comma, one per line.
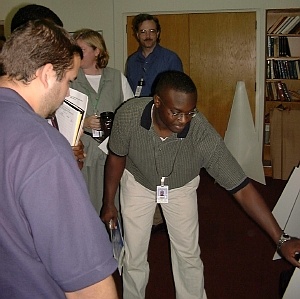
(179,158)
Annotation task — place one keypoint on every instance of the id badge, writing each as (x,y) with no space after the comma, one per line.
(162,194)
(96,133)
(139,88)
(138,91)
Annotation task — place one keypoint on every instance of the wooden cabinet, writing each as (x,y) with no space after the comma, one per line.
(282,91)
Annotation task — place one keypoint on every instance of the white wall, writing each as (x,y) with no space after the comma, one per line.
(75,14)
(110,16)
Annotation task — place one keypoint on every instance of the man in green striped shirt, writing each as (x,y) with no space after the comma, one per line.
(157,147)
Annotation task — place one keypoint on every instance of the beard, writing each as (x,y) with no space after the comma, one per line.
(52,101)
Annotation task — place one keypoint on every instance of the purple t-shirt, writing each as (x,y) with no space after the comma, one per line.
(51,239)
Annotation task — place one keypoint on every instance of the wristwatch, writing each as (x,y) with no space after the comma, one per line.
(283,238)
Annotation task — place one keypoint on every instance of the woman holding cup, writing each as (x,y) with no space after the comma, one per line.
(106,89)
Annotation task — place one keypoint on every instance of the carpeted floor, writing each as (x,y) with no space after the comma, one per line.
(236,253)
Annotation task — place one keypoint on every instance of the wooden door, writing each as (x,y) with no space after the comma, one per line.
(217,50)
(222,52)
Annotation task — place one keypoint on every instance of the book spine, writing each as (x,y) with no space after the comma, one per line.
(286,92)
(280,92)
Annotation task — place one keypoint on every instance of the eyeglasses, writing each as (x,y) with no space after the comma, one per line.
(179,115)
(150,31)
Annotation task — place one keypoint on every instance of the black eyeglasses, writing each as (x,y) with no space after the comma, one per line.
(179,115)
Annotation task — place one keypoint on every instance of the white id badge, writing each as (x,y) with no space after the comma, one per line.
(96,133)
(138,91)
(162,194)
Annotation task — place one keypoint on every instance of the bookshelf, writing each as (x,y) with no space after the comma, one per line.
(282,86)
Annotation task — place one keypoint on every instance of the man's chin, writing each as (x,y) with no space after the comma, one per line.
(149,44)
(177,129)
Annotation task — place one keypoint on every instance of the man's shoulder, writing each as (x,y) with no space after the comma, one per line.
(137,102)
(166,51)
(133,105)
(134,55)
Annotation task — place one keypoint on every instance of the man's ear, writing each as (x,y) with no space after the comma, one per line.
(156,101)
(46,75)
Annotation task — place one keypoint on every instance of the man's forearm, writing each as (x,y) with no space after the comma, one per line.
(255,206)
(114,168)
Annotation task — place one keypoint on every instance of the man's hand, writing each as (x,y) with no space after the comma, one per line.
(109,215)
(79,153)
(290,251)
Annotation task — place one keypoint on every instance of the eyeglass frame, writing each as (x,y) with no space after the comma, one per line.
(179,115)
(150,31)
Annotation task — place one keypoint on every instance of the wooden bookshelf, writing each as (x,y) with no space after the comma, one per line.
(282,71)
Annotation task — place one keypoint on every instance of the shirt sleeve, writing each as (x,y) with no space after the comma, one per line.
(176,63)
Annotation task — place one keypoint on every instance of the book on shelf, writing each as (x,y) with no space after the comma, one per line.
(287,96)
(277,91)
(297,67)
(296,29)
(270,96)
(290,25)
(270,46)
(283,69)
(276,24)
(280,92)
(286,47)
(285,25)
(286,21)
(278,46)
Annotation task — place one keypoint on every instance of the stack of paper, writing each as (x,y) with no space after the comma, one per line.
(116,236)
(70,115)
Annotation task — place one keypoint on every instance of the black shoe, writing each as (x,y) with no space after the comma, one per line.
(159,228)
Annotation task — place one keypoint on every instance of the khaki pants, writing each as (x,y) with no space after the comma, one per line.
(181,214)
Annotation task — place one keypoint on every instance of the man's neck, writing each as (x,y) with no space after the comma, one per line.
(159,127)
(147,51)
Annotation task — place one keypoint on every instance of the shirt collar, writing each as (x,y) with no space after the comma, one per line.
(156,51)
(146,121)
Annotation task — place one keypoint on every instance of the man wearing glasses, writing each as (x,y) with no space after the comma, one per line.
(151,58)
(159,146)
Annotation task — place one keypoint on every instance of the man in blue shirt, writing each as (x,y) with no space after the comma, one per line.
(151,58)
(143,66)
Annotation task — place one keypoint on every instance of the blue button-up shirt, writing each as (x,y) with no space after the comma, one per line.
(147,68)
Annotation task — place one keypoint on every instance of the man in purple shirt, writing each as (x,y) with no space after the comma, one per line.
(52,242)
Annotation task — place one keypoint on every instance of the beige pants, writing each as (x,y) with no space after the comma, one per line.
(137,207)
